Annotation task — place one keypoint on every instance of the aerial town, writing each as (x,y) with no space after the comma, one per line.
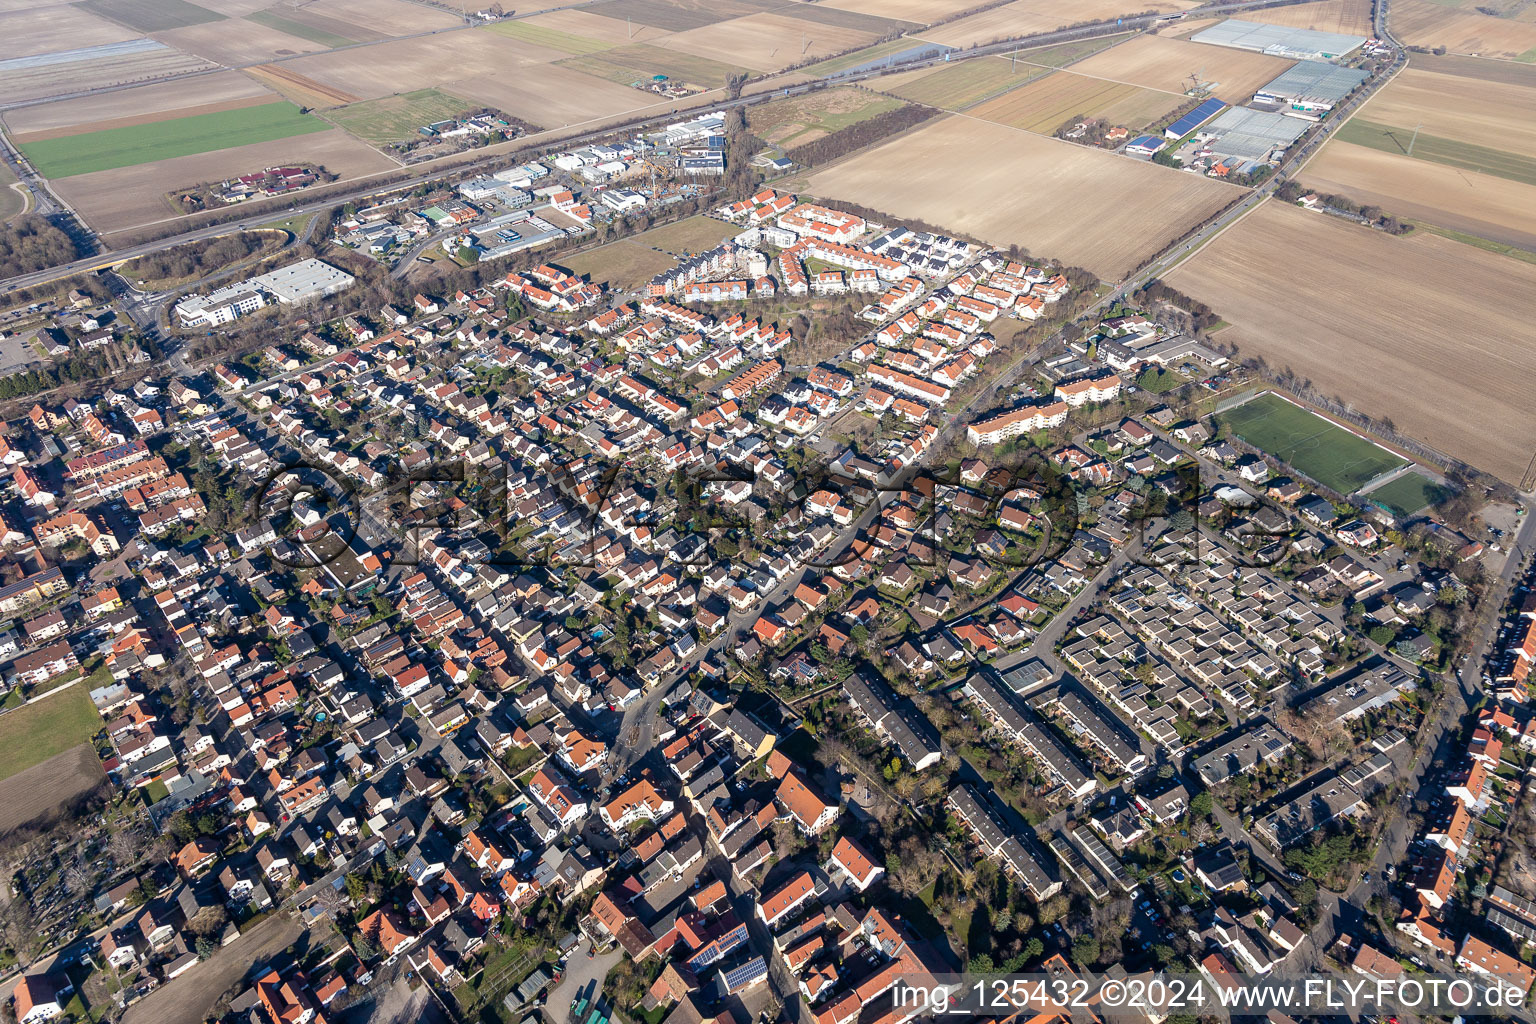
(756,515)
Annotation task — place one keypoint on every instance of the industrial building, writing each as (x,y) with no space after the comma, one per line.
(1249,134)
(1279,41)
(297,282)
(1194,119)
(1311,88)
(302,281)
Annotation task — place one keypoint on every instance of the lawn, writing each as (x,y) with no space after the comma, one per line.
(542,35)
(161,140)
(1409,493)
(31,735)
(1439,150)
(12,202)
(396,118)
(298,28)
(1310,444)
(621,264)
(692,235)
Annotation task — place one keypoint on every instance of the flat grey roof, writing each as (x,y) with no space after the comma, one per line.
(1314,80)
(1250,134)
(1279,41)
(303,280)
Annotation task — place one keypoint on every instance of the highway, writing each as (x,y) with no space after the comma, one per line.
(516,151)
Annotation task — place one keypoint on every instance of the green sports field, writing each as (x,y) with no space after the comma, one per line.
(161,140)
(1313,446)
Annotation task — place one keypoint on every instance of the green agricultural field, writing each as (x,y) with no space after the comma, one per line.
(1409,493)
(541,35)
(957,86)
(152,15)
(1063,54)
(298,28)
(32,734)
(396,118)
(864,56)
(161,140)
(639,62)
(1315,447)
(1390,139)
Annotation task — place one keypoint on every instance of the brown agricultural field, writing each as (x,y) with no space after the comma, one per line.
(596,26)
(129,197)
(821,14)
(1506,72)
(1046,105)
(1054,198)
(233,8)
(33,792)
(1026,17)
(1481,204)
(50,29)
(1426,331)
(301,89)
(768,42)
(1493,114)
(234,45)
(422,62)
(40,83)
(1157,62)
(1351,17)
(1428,24)
(671,15)
(224,90)
(922,12)
(389,17)
(552,96)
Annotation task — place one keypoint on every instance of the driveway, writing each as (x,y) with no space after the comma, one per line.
(582,978)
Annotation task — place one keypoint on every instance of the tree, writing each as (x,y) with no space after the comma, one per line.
(206,947)
(1201,804)
(468,255)
(1085,950)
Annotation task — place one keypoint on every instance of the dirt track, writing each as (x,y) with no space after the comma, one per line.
(187,999)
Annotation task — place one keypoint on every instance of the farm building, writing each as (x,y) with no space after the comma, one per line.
(1250,134)
(1194,119)
(1311,87)
(1278,40)
(1146,145)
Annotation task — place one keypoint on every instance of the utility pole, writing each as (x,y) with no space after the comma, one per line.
(1415,137)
